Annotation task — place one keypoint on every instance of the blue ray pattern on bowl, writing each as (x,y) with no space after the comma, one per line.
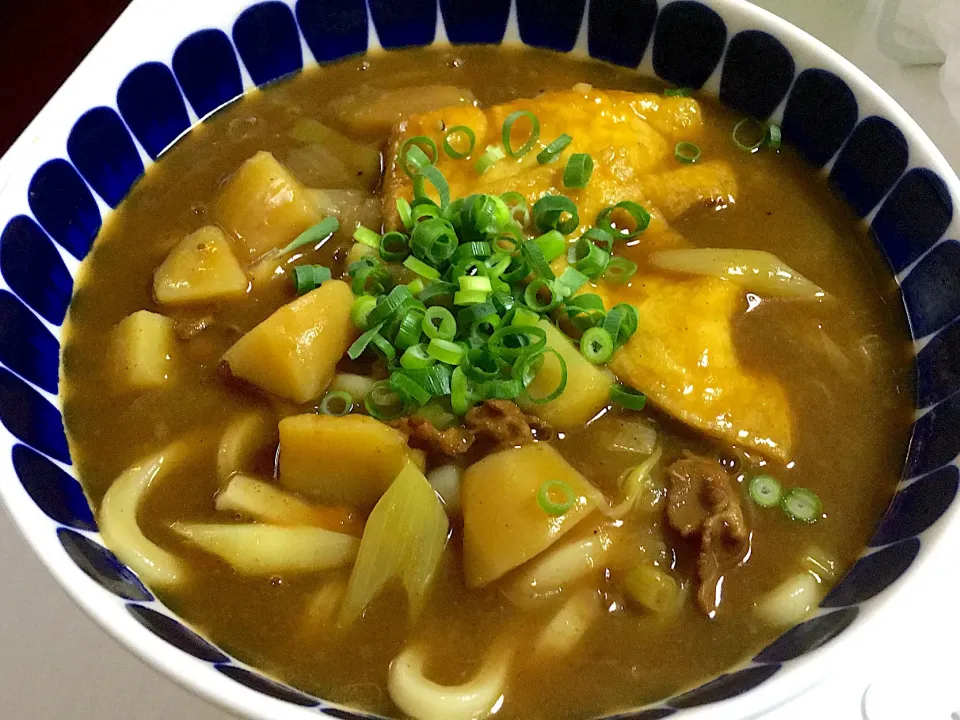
(687,43)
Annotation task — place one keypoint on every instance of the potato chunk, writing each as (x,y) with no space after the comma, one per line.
(587,390)
(202,267)
(144,350)
(264,207)
(294,352)
(503,524)
(349,460)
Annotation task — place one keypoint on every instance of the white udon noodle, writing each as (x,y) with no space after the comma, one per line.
(118,519)
(424,699)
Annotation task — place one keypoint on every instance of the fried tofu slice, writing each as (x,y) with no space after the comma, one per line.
(631,137)
(682,354)
(683,358)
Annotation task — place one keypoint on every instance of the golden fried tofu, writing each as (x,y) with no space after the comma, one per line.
(682,355)
(631,137)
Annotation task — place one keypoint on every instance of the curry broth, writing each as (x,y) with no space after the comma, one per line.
(843,364)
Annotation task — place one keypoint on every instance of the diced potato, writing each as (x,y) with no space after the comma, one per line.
(294,352)
(144,347)
(267,549)
(503,524)
(202,267)
(587,390)
(264,207)
(373,111)
(260,500)
(349,460)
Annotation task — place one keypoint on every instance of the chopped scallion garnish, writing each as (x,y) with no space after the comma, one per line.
(596,345)
(556,497)
(610,220)
(619,270)
(578,170)
(802,505)
(678,92)
(394,246)
(765,491)
(445,351)
(452,134)
(552,151)
(749,134)
(313,235)
(309,277)
(686,152)
(627,397)
(412,156)
(507,131)
(336,402)
(491,156)
(366,236)
(438,322)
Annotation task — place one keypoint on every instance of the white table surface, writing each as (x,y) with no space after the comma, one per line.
(56,664)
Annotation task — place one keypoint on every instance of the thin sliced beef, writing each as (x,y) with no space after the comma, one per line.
(500,422)
(424,435)
(703,504)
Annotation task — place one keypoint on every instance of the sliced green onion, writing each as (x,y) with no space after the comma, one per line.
(541,296)
(556,497)
(500,389)
(522,316)
(509,343)
(480,365)
(459,130)
(585,311)
(570,281)
(471,250)
(483,329)
(518,269)
(367,236)
(369,280)
(394,246)
(774,139)
(435,178)
(409,388)
(468,316)
(528,367)
(415,286)
(535,261)
(686,152)
(601,238)
(619,270)
(507,130)
(589,258)
(438,293)
(434,241)
(517,203)
(309,277)
(469,297)
(383,402)
(435,379)
(445,351)
(621,323)
(421,268)
(412,157)
(596,345)
(498,264)
(416,357)
(802,505)
(410,328)
(361,343)
(490,157)
(625,396)
(638,216)
(755,129)
(578,170)
(765,491)
(462,392)
(423,208)
(552,151)
(678,92)
(548,211)
(551,244)
(438,322)
(384,347)
(312,235)
(337,403)
(360,310)
(475,283)
(388,305)
(405,212)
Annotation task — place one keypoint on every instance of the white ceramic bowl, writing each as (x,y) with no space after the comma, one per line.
(75,164)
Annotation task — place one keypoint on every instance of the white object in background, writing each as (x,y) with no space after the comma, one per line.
(923,32)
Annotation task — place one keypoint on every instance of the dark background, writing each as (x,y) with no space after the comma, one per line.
(41,43)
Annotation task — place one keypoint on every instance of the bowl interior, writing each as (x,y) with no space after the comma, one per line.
(874,156)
